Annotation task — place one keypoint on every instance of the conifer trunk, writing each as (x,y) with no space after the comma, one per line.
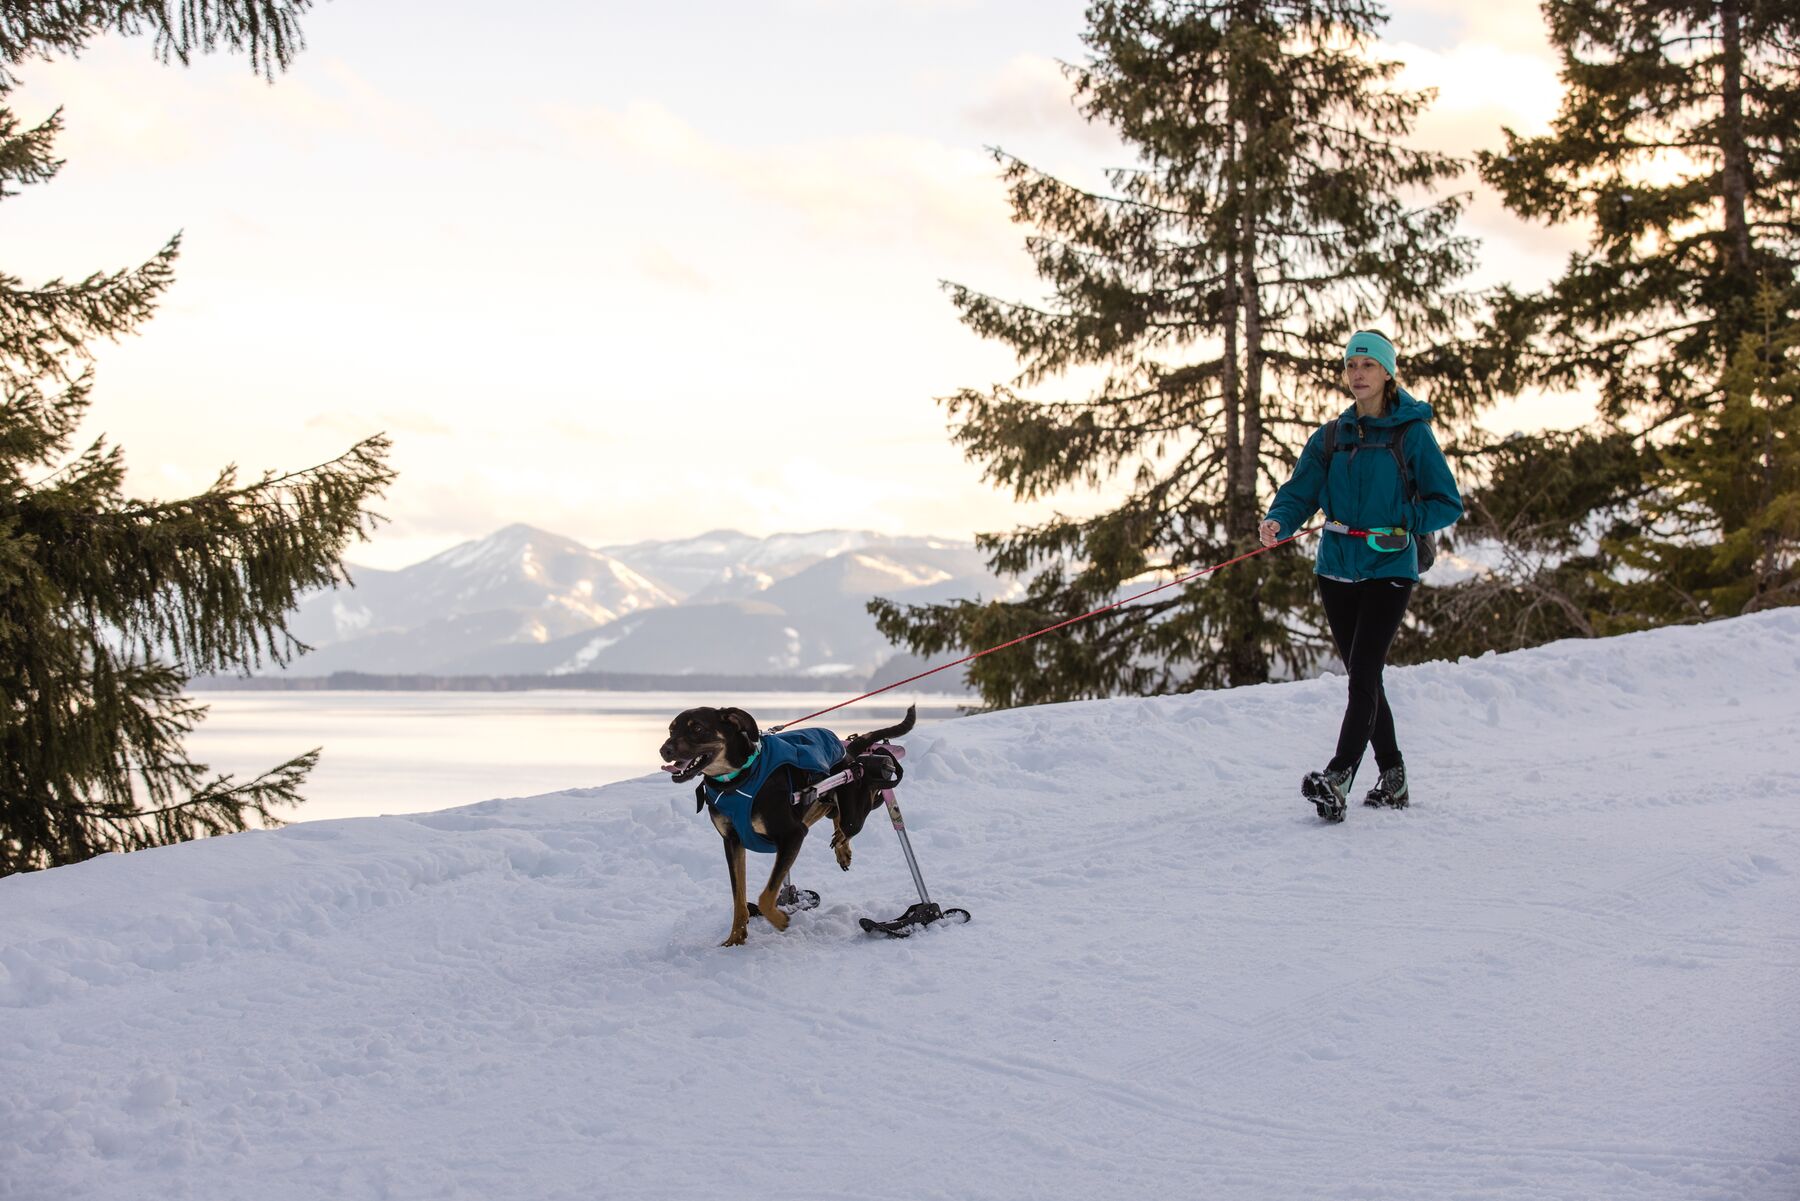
(1244,465)
(1247,661)
(1231,378)
(1735,173)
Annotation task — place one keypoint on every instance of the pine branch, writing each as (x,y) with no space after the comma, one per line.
(267,31)
(210,577)
(25,156)
(42,328)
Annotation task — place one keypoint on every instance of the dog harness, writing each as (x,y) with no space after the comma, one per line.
(811,752)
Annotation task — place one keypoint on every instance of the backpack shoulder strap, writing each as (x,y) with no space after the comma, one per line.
(1397,444)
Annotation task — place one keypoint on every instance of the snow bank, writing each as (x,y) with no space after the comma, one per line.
(1571,970)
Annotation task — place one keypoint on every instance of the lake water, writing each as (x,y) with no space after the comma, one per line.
(411,752)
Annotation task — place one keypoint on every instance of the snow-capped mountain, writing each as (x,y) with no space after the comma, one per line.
(727,565)
(518,586)
(526,602)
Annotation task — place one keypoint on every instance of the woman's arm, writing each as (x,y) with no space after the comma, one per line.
(1298,499)
(1439,504)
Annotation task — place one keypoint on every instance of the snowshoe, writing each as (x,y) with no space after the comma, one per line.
(1390,791)
(790,900)
(1329,791)
(920,915)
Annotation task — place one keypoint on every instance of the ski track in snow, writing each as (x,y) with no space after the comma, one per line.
(1571,970)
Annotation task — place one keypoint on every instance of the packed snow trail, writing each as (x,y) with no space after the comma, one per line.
(1570,970)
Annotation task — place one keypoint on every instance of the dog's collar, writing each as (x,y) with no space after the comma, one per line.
(726,779)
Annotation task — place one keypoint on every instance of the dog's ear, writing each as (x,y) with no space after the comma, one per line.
(743,723)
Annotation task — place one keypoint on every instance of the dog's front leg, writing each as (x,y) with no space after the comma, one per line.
(740,911)
(786,852)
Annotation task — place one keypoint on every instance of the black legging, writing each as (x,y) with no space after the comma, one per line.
(1364,618)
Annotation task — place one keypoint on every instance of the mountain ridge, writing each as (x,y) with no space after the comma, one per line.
(527,601)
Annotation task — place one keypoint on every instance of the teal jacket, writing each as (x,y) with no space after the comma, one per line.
(1361,488)
(810,754)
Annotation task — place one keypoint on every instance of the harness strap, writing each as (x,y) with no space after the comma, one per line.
(1338,527)
(813,792)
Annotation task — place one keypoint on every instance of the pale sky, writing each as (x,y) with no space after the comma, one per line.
(622,271)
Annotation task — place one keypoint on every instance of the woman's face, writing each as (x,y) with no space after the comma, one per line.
(1365,378)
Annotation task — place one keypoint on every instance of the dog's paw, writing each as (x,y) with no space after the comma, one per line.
(841,848)
(772,912)
(736,938)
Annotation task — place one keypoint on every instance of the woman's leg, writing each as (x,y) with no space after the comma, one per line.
(1381,736)
(1364,618)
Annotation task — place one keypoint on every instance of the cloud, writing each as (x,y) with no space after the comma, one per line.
(1031,98)
(109,116)
(1507,26)
(125,111)
(866,189)
(1480,87)
(1483,88)
(359,424)
(856,7)
(660,264)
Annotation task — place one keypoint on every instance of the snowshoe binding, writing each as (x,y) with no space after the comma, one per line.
(1329,791)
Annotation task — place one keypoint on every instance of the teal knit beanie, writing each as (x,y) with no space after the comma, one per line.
(1373,345)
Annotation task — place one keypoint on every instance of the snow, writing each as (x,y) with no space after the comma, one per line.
(1571,970)
(902,575)
(585,656)
(349,619)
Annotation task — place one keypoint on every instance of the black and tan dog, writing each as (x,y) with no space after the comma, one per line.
(720,744)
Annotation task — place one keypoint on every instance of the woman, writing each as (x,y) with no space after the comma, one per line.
(1368,554)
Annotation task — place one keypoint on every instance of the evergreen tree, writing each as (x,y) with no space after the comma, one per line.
(1676,142)
(1214,285)
(1722,518)
(107,603)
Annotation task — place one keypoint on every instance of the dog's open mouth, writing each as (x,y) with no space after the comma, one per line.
(683,770)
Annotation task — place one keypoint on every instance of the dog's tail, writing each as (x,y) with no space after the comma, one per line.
(856,744)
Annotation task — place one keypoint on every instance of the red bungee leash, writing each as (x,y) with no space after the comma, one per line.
(1193,575)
